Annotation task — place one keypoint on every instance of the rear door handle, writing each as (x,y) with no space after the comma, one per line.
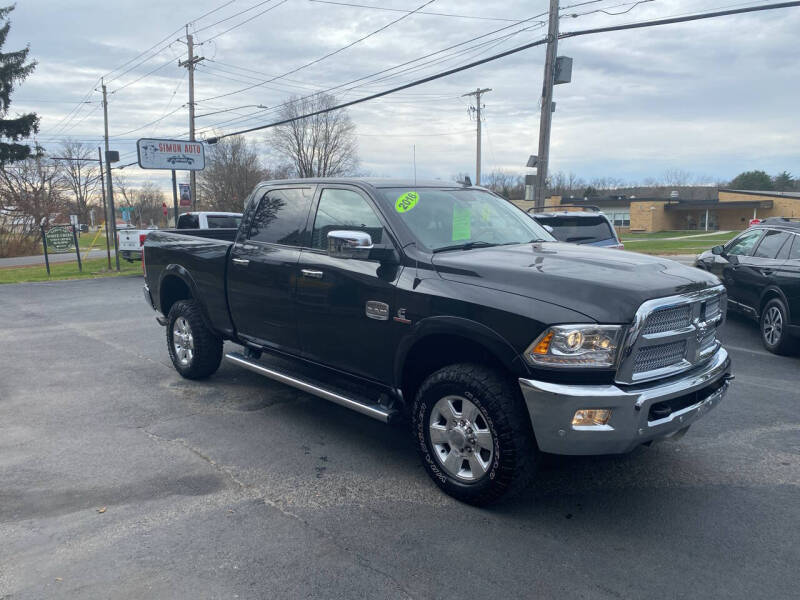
(311,274)
(240,261)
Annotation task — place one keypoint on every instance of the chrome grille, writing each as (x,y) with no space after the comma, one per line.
(671,335)
(668,319)
(659,357)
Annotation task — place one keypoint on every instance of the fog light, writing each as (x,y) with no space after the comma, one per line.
(591,416)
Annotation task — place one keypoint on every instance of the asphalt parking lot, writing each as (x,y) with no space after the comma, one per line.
(119,479)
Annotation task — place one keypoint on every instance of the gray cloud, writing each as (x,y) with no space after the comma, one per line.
(714,97)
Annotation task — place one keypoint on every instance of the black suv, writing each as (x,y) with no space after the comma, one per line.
(761,271)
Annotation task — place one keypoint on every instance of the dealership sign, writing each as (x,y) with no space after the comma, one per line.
(177,155)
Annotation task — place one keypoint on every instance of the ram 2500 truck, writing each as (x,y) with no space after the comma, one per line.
(449,306)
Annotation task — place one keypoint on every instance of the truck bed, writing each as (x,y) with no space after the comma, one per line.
(198,257)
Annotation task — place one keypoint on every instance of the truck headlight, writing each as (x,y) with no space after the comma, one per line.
(576,346)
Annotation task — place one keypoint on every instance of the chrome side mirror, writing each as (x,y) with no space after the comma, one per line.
(349,244)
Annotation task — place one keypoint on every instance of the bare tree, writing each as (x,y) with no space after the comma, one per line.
(233,168)
(81,176)
(323,145)
(147,204)
(506,184)
(32,191)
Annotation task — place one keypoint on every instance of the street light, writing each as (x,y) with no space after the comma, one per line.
(216,112)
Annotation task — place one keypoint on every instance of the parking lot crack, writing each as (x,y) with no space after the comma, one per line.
(227,472)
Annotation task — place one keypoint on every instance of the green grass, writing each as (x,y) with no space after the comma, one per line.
(657,235)
(84,242)
(93,268)
(686,246)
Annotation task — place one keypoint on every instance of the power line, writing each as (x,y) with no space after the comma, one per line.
(641,24)
(329,54)
(255,16)
(421,12)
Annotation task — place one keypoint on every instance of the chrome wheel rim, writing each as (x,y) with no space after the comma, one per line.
(183,341)
(773,325)
(461,439)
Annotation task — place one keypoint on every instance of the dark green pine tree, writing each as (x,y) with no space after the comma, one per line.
(13,70)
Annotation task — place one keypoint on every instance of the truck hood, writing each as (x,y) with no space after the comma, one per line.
(605,285)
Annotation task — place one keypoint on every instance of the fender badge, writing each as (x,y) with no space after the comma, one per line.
(401,316)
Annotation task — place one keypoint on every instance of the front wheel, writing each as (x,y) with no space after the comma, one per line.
(774,333)
(474,434)
(195,350)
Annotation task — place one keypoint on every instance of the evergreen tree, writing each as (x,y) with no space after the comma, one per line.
(784,182)
(13,70)
(752,180)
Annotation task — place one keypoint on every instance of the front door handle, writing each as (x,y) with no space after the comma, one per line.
(767,272)
(311,274)
(240,261)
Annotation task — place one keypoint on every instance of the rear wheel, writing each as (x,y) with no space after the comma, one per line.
(473,433)
(774,331)
(195,350)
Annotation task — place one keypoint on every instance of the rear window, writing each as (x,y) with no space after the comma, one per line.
(579,230)
(223,221)
(188,221)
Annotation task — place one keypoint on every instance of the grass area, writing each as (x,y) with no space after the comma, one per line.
(86,239)
(693,245)
(93,268)
(663,234)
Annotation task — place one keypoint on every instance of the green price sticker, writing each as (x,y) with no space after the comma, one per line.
(406,202)
(461,224)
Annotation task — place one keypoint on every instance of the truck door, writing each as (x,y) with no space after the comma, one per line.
(263,265)
(346,305)
(755,272)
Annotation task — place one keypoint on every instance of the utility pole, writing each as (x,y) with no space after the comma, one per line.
(477,93)
(190,63)
(110,186)
(105,209)
(547,106)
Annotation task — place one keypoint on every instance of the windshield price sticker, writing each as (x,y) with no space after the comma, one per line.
(461,224)
(406,202)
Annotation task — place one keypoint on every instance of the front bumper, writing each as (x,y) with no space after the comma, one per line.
(551,407)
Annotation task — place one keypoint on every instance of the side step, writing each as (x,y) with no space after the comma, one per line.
(306,384)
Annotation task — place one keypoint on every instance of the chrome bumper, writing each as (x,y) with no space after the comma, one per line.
(551,407)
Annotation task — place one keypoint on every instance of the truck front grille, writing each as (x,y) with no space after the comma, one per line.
(673,334)
(668,319)
(651,358)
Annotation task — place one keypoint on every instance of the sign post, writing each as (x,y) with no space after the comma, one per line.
(77,249)
(174,198)
(44,244)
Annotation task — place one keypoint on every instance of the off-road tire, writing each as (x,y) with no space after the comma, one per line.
(207,354)
(516,454)
(784,344)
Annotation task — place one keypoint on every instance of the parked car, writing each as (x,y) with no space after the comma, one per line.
(760,268)
(449,306)
(182,159)
(209,220)
(590,228)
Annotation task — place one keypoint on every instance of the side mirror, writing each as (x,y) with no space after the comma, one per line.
(717,250)
(349,244)
(548,228)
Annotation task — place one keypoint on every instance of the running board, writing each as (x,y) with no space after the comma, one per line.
(376,411)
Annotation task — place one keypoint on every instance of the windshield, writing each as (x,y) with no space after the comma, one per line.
(579,230)
(444,218)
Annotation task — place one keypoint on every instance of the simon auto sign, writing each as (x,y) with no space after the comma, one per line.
(178,155)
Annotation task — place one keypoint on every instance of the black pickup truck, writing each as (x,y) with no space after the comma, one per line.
(449,306)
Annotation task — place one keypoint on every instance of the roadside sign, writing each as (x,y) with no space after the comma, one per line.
(60,238)
(172,155)
(126,213)
(185,194)
(164,208)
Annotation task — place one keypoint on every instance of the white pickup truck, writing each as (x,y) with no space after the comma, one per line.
(131,241)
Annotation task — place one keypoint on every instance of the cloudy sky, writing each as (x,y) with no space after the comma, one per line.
(712,98)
